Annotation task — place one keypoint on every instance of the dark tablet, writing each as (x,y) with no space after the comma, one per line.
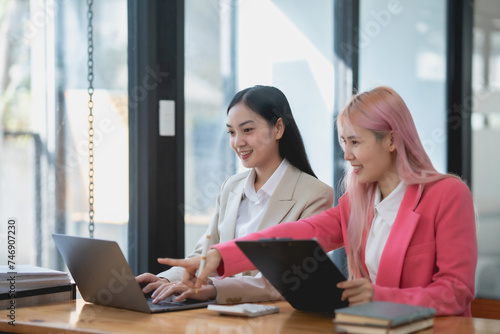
(300,270)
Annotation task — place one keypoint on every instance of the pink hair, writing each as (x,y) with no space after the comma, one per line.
(380,110)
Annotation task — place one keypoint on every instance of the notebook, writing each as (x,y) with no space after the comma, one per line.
(383,317)
(104,277)
(300,270)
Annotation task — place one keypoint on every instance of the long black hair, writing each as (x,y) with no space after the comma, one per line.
(270,103)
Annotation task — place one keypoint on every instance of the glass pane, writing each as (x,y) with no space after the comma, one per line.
(231,45)
(403,45)
(208,160)
(111,117)
(44,131)
(289,44)
(485,137)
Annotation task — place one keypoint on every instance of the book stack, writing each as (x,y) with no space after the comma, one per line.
(383,317)
(29,285)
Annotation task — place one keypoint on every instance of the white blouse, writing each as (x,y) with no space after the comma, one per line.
(254,204)
(384,216)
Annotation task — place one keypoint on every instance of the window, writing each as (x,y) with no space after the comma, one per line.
(232,45)
(485,136)
(403,45)
(44,130)
(208,159)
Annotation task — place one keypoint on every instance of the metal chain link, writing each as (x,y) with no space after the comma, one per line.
(90,78)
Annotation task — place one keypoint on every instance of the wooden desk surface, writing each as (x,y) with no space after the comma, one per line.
(81,317)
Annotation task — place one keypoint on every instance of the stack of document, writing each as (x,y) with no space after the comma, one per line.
(29,285)
(384,318)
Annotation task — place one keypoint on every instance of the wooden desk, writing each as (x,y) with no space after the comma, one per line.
(80,317)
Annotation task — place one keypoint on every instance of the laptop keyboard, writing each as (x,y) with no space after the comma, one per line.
(170,302)
(162,305)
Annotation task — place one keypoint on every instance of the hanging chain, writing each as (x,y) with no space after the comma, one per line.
(90,77)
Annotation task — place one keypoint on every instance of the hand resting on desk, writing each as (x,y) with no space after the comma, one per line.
(357,291)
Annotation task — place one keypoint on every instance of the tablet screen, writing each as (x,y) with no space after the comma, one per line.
(300,270)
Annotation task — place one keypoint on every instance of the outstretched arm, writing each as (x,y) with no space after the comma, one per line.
(325,227)
(191,265)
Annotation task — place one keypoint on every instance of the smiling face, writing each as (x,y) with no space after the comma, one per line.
(253,139)
(373,159)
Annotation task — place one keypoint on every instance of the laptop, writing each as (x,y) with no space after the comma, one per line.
(300,270)
(104,277)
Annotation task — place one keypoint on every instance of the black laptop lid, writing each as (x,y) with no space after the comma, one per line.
(300,270)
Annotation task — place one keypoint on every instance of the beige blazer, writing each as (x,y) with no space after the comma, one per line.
(298,195)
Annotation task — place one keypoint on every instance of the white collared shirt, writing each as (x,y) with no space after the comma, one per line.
(254,204)
(385,213)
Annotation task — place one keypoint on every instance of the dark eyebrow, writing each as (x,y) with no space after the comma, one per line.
(242,124)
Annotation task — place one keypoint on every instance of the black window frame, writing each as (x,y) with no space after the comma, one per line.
(156,163)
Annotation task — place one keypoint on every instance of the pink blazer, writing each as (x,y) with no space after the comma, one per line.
(430,256)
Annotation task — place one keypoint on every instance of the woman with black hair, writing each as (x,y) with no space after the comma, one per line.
(280,186)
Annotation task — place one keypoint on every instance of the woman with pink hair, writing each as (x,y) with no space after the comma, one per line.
(409,231)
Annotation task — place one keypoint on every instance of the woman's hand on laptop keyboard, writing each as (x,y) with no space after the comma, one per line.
(150,282)
(182,291)
(192,264)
